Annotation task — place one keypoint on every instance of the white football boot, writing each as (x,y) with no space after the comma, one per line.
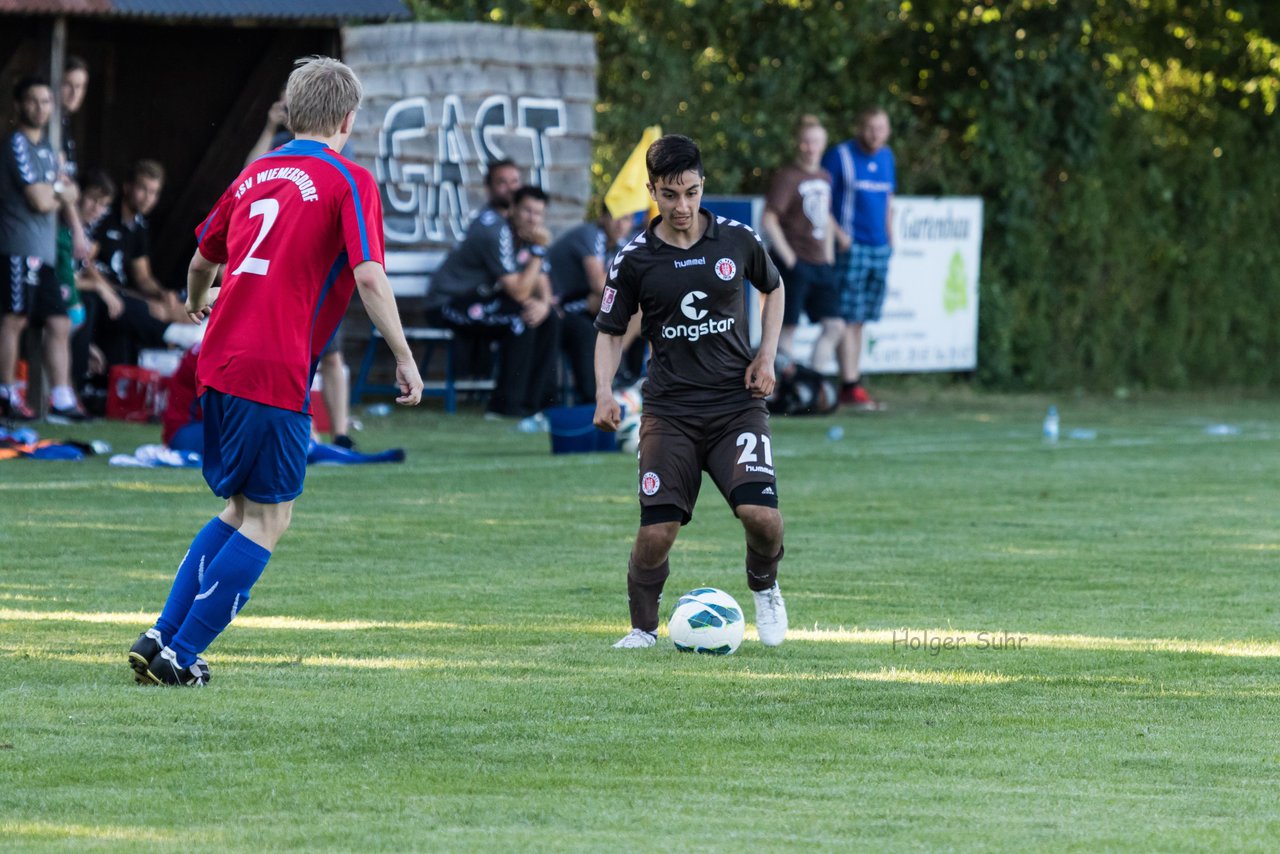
(771,615)
(637,639)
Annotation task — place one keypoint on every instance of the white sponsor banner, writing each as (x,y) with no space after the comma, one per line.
(930,317)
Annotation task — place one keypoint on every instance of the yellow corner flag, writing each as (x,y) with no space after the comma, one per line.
(629,193)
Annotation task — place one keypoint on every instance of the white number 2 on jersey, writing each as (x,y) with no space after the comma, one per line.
(268,209)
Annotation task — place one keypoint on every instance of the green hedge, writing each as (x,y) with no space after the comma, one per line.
(1126,150)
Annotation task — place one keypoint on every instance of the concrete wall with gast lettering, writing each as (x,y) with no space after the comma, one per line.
(442,100)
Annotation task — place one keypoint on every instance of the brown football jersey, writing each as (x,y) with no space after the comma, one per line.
(694,314)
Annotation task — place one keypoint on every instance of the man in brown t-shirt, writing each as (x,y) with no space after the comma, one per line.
(797,221)
(704,398)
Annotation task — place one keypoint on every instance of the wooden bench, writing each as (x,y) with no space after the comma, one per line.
(410,275)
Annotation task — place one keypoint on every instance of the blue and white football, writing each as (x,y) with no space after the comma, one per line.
(629,434)
(706,620)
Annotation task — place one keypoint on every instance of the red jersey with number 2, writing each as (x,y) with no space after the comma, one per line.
(289,231)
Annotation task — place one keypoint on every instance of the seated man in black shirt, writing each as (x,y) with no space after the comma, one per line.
(579,261)
(124,243)
(494,285)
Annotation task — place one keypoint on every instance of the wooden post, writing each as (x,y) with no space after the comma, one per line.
(57,61)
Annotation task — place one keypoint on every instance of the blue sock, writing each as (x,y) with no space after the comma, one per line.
(224,591)
(186,584)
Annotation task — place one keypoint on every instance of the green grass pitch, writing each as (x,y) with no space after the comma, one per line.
(995,645)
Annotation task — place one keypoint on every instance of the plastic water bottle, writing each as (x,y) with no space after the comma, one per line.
(1050,430)
(536,423)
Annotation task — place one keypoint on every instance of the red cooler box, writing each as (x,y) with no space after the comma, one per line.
(134,394)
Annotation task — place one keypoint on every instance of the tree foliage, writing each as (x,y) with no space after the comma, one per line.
(1125,150)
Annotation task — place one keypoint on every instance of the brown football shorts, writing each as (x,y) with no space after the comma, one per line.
(735,448)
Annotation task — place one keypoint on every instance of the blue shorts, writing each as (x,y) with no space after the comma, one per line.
(811,289)
(252,449)
(863,274)
(188,437)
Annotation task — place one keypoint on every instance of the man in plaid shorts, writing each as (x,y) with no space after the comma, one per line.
(863,181)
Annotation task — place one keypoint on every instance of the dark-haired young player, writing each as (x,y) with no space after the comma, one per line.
(298,230)
(704,399)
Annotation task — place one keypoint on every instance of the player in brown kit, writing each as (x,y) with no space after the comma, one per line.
(704,397)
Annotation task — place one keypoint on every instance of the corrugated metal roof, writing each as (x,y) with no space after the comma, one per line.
(293,10)
(56,7)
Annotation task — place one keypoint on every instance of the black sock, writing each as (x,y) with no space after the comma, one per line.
(762,570)
(644,593)
(848,384)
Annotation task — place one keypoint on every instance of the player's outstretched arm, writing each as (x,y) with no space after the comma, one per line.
(380,303)
(760,378)
(608,356)
(200,278)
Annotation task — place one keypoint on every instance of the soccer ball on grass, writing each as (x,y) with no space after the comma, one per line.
(706,620)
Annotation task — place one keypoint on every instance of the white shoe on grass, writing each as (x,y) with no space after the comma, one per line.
(637,639)
(771,615)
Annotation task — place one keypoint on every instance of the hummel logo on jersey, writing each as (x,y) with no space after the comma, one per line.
(687,304)
(507,249)
(17,143)
(638,240)
(735,224)
(690,262)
